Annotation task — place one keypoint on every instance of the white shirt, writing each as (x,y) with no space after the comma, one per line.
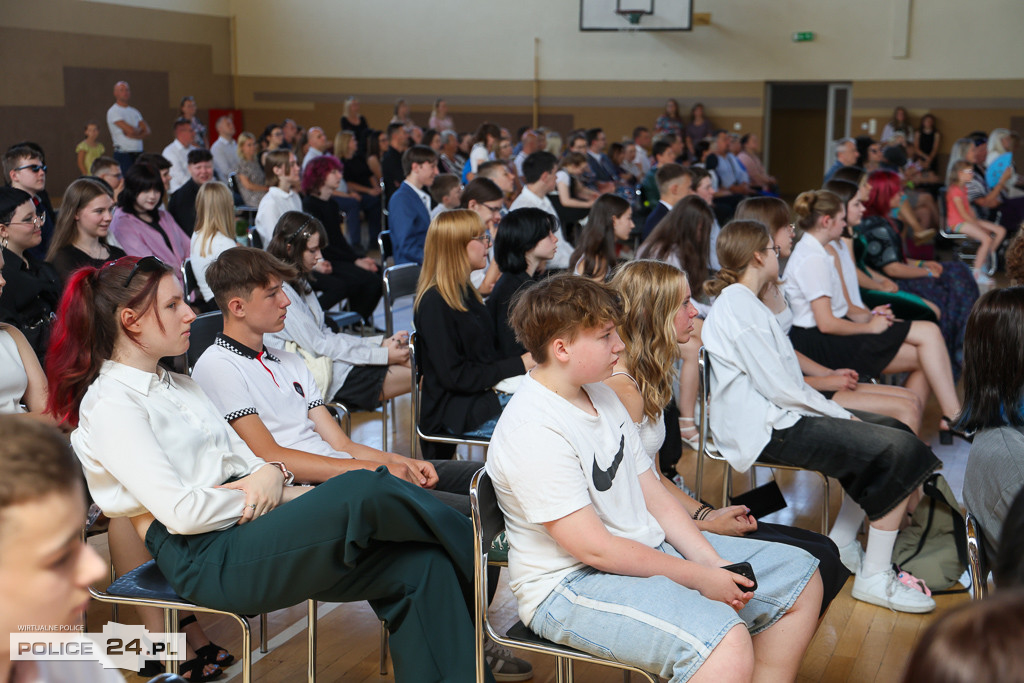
(177,154)
(305,326)
(217,246)
(131,116)
(642,160)
(548,459)
(154,442)
(274,205)
(756,383)
(13,378)
(811,274)
(311,154)
(225,158)
(477,156)
(274,384)
(848,271)
(518,161)
(527,198)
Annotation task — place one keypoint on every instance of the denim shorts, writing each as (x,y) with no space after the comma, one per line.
(660,626)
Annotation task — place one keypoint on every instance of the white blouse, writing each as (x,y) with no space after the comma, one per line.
(13,379)
(811,274)
(756,383)
(274,205)
(154,442)
(848,271)
(217,246)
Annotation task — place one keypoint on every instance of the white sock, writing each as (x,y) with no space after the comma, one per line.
(847,524)
(878,556)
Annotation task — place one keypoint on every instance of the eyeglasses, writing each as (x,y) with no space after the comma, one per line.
(36,221)
(147,264)
(35,168)
(494,209)
(484,239)
(775,248)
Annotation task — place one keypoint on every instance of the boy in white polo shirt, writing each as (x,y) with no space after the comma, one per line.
(602,557)
(272,401)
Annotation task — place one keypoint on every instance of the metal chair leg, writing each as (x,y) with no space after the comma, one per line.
(311,641)
(264,648)
(171,626)
(383,649)
(825,508)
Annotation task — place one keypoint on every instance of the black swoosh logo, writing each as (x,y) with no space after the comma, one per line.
(603,478)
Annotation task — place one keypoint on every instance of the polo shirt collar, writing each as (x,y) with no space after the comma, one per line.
(243,350)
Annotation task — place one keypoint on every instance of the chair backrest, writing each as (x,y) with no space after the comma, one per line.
(188,276)
(399,281)
(385,196)
(976,556)
(488,522)
(255,239)
(236,189)
(203,333)
(704,380)
(387,251)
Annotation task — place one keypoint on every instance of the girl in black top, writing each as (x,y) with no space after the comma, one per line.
(30,296)
(80,238)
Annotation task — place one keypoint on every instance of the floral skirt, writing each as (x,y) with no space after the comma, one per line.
(954,292)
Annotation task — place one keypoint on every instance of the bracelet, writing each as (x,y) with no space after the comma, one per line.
(702,512)
(920,264)
(288,476)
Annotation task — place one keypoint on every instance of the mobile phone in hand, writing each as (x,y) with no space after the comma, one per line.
(743,569)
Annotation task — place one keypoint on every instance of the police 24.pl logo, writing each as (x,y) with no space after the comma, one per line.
(119,646)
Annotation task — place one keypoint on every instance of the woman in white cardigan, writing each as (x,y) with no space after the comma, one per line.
(763,410)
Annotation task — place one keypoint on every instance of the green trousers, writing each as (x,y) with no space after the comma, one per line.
(358,536)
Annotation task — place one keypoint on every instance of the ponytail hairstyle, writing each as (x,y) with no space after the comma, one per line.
(884,186)
(596,244)
(684,232)
(651,292)
(847,192)
(813,205)
(88,325)
(291,237)
(736,246)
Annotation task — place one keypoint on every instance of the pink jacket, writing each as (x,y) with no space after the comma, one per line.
(139,238)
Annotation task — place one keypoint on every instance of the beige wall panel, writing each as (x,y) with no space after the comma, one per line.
(746,41)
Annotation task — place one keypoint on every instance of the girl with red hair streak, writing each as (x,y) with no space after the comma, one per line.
(226,528)
(949,285)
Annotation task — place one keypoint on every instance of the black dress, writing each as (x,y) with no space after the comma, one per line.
(30,297)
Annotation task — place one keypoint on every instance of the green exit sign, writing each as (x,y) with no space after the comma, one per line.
(803,36)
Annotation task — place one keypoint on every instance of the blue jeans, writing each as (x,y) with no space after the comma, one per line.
(657,624)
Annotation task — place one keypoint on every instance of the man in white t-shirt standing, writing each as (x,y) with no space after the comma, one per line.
(127,127)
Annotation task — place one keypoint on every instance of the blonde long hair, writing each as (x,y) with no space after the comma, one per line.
(446,265)
(215,213)
(651,293)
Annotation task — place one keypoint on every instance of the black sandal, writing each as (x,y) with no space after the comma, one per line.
(211,652)
(946,435)
(194,669)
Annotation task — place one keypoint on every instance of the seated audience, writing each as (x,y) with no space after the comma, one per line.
(343,274)
(42,504)
(25,170)
(171,485)
(446,192)
(457,344)
(182,204)
(733,178)
(498,172)
(662,152)
(409,206)
(525,244)
(187,111)
(657,315)
(674,183)
(486,135)
(845,151)
(610,220)
(177,153)
(362,182)
(993,383)
(317,144)
(215,234)
(448,158)
(948,285)
(282,172)
(80,238)
(541,178)
(391,158)
(109,171)
(141,225)
(605,557)
(225,149)
(960,218)
(162,165)
(486,199)
(22,381)
(751,160)
(600,166)
(363,371)
(252,182)
(763,410)
(32,287)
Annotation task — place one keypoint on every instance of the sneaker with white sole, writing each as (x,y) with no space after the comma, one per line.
(886,590)
(852,555)
(504,665)
(982,279)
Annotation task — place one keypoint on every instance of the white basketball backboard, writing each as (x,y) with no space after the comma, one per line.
(636,15)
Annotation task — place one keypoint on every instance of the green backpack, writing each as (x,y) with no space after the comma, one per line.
(934,546)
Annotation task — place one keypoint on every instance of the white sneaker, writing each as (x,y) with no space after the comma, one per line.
(505,666)
(885,590)
(982,279)
(852,555)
